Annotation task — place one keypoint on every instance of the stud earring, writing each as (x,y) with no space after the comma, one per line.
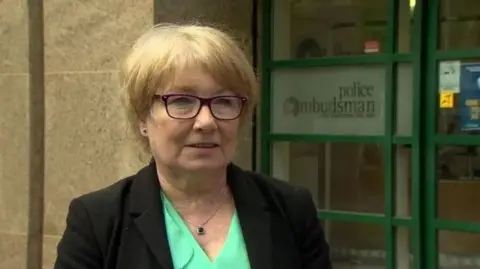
(144,131)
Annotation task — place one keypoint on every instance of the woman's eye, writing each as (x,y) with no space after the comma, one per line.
(224,102)
(182,101)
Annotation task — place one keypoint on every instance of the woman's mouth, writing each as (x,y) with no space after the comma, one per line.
(203,145)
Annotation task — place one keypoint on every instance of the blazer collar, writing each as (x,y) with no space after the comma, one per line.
(147,210)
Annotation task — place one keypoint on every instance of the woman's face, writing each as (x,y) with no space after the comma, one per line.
(181,139)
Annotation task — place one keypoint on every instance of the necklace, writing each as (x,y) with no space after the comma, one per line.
(200,229)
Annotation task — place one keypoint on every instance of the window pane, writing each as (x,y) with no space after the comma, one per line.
(341,176)
(459,24)
(458,250)
(405,25)
(404,257)
(306,28)
(459,97)
(458,188)
(333,100)
(403,181)
(404,107)
(356,245)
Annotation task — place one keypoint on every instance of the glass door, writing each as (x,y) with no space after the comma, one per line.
(452,120)
(340,114)
(374,105)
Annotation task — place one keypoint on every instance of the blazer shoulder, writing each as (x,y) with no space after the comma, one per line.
(297,206)
(107,200)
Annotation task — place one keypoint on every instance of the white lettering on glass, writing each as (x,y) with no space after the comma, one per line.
(329,101)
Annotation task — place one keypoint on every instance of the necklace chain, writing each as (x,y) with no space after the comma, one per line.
(200,230)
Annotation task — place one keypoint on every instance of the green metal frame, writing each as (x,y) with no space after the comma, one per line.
(432,139)
(423,223)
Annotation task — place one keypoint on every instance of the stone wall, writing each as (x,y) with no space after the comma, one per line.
(14,129)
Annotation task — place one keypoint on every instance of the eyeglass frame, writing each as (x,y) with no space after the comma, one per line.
(203,102)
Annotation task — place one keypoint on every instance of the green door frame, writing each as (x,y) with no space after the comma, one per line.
(432,224)
(423,140)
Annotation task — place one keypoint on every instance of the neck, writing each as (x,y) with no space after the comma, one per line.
(187,187)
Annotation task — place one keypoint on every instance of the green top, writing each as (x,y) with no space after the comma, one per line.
(187,253)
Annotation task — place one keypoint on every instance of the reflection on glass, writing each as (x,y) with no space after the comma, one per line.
(403,179)
(404,98)
(405,25)
(356,245)
(458,170)
(458,250)
(404,257)
(459,24)
(348,177)
(306,28)
(459,97)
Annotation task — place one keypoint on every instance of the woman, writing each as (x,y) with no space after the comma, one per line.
(189,90)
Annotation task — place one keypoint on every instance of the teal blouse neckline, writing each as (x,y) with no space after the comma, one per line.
(188,254)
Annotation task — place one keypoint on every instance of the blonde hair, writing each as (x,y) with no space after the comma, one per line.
(165,49)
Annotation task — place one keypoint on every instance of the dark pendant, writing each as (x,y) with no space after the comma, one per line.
(200,231)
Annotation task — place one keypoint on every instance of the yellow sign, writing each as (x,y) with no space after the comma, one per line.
(446,100)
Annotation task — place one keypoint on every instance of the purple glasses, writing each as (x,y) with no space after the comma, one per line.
(186,106)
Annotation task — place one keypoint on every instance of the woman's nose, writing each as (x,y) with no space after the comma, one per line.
(205,119)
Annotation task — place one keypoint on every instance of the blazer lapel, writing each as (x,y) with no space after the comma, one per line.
(254,217)
(147,212)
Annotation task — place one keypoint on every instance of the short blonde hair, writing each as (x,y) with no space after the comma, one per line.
(164,49)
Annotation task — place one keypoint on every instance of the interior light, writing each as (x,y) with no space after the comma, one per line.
(412,5)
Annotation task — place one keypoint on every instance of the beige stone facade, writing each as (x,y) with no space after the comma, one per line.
(86,145)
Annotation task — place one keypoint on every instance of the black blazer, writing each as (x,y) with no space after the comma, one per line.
(122,226)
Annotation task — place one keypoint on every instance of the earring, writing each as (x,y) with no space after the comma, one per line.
(144,131)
